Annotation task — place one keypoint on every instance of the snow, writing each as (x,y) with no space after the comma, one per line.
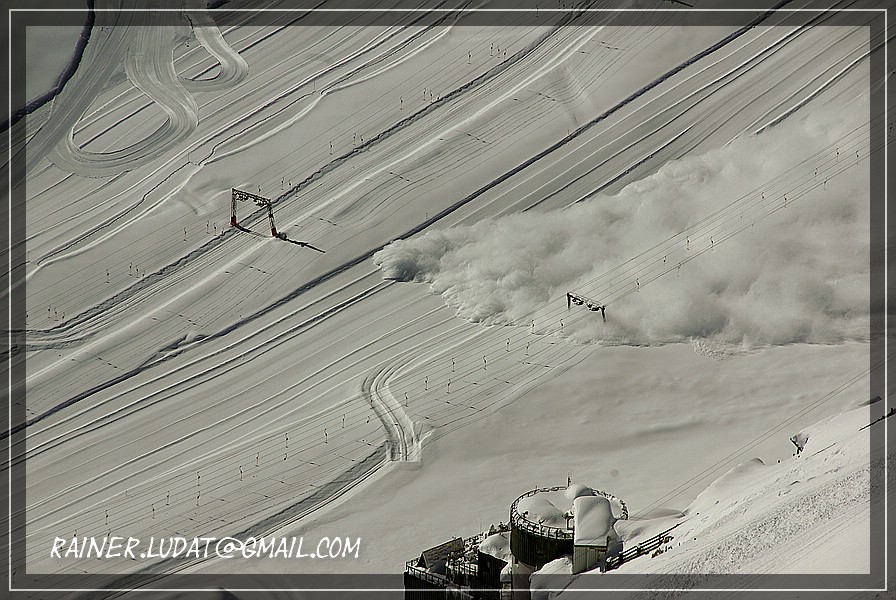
(757,289)
(807,514)
(574,490)
(218,382)
(49,51)
(593,521)
(541,582)
(540,509)
(497,545)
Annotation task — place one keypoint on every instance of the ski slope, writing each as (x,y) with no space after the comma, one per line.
(189,378)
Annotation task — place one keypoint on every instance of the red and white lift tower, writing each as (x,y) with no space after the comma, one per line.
(240,195)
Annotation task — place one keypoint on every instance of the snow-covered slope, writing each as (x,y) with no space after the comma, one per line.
(187,378)
(810,513)
(805,499)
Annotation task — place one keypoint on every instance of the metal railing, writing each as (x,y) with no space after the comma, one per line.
(428,576)
(645,547)
(521,522)
(452,588)
(457,565)
(624,514)
(462,566)
(546,530)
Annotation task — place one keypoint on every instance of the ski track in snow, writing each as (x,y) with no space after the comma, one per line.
(254,118)
(80,321)
(694,98)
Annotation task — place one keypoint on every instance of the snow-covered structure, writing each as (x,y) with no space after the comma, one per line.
(470,568)
(546,524)
(594,536)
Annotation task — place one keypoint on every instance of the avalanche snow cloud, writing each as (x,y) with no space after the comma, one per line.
(799,274)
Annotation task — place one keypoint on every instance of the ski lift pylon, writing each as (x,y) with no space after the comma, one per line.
(240,195)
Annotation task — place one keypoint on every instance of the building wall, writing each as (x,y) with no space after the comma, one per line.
(585,558)
(536,550)
(490,570)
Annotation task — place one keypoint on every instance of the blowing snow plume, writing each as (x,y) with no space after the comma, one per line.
(755,270)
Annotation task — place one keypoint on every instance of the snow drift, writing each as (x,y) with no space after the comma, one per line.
(798,275)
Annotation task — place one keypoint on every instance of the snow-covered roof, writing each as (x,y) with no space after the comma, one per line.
(435,559)
(558,566)
(544,581)
(497,545)
(593,521)
(577,489)
(539,509)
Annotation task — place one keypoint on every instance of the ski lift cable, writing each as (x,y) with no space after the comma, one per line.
(725,235)
(737,210)
(553,315)
(698,228)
